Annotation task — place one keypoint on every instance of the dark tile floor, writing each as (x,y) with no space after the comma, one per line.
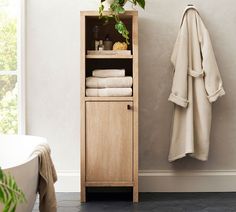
(158,202)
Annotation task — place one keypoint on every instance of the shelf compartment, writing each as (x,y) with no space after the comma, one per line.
(109,63)
(109,28)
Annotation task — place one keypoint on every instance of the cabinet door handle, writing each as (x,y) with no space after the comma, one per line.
(129,107)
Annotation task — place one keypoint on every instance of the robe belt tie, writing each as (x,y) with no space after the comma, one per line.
(194,73)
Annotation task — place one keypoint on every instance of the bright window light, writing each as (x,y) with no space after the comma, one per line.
(11,67)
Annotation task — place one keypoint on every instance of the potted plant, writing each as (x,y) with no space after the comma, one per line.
(10,193)
(116,7)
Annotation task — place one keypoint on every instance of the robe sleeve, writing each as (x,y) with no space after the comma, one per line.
(179,58)
(212,78)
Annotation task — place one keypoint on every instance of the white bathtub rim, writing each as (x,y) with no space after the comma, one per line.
(31,157)
(22,163)
(6,169)
(27,136)
(30,184)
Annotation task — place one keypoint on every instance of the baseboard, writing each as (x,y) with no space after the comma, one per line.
(187,181)
(68,181)
(164,181)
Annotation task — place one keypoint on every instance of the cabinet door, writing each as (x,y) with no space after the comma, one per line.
(109,142)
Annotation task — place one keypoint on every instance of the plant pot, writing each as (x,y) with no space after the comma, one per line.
(123,2)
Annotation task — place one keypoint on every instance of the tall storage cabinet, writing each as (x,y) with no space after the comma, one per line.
(109,125)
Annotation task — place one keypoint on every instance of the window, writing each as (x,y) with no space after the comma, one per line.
(11,67)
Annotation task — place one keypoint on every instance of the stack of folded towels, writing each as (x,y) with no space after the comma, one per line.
(109,82)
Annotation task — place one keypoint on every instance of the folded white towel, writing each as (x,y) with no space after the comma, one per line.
(109,92)
(109,82)
(108,73)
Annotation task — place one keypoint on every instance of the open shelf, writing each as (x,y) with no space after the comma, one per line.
(106,29)
(109,63)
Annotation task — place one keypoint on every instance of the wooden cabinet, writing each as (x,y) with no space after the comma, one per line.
(109,125)
(109,140)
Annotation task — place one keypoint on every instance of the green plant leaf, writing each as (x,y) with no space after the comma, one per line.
(1,174)
(120,10)
(117,8)
(10,193)
(121,28)
(141,3)
(134,2)
(13,208)
(121,2)
(7,206)
(100,10)
(113,6)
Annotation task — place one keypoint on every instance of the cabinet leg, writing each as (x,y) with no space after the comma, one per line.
(135,194)
(83,194)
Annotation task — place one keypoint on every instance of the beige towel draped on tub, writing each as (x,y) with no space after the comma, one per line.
(196,84)
(47,178)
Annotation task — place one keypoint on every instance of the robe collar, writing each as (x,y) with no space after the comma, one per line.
(185,11)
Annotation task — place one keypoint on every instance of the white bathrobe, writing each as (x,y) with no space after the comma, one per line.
(196,84)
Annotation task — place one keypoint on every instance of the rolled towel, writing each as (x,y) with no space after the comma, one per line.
(108,73)
(109,92)
(109,82)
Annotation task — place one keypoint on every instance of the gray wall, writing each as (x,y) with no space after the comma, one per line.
(53,82)
(158,29)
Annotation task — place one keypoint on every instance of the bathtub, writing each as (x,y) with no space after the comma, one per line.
(15,151)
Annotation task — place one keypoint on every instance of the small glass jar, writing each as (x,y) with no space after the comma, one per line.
(108,43)
(101,46)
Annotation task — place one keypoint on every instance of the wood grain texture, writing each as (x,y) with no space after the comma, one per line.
(109,56)
(95,13)
(136,103)
(82,107)
(109,184)
(109,132)
(109,142)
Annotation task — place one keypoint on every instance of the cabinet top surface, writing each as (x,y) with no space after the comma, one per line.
(95,13)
